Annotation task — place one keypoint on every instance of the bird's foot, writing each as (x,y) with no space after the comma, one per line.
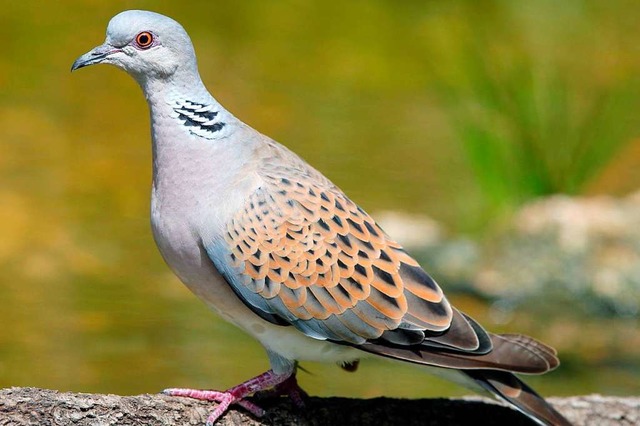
(237,394)
(289,388)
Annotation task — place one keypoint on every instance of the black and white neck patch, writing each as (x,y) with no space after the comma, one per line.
(199,119)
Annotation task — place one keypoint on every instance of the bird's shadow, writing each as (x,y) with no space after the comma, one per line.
(390,412)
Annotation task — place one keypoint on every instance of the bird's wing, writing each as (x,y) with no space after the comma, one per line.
(301,253)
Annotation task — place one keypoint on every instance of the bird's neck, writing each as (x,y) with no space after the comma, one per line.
(186,103)
(190,128)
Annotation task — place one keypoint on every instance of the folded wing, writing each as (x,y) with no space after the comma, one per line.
(301,253)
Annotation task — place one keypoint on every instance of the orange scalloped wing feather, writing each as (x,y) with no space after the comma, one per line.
(304,252)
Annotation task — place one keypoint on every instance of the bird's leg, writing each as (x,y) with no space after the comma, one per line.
(236,394)
(291,388)
(288,387)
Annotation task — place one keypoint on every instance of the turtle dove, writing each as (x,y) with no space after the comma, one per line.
(274,247)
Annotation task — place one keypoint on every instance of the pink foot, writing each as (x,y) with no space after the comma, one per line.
(236,394)
(290,388)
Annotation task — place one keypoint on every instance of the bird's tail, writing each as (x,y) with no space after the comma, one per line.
(512,390)
(492,371)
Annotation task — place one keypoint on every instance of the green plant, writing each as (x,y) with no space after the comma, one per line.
(536,113)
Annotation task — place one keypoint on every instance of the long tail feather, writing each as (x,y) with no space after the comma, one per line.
(509,388)
(492,371)
(511,353)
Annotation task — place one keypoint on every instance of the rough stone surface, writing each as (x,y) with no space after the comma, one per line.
(557,250)
(33,406)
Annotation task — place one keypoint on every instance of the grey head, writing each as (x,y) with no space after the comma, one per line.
(147,45)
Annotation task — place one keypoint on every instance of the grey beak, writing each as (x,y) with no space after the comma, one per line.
(94,56)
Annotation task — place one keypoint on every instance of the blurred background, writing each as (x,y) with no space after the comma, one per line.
(498,140)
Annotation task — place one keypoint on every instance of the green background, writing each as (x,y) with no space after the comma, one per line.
(460,110)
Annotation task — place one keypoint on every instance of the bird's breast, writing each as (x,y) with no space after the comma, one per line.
(181,248)
(196,189)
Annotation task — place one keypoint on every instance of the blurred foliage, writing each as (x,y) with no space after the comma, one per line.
(543,106)
(446,108)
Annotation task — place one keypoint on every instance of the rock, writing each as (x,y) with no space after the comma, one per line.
(33,406)
(569,249)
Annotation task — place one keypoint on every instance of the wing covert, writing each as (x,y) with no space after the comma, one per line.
(301,252)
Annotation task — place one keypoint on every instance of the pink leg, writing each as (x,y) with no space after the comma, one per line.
(290,388)
(236,394)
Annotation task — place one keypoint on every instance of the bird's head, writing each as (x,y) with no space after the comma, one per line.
(147,45)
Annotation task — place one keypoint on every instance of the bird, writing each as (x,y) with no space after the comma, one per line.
(273,246)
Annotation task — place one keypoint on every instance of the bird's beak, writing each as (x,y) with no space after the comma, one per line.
(94,56)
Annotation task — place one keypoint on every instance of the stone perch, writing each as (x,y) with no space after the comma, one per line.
(33,406)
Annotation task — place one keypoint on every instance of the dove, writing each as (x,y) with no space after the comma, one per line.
(274,247)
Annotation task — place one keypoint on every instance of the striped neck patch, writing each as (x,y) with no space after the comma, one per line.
(199,119)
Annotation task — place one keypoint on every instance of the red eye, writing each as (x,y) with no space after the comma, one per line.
(144,39)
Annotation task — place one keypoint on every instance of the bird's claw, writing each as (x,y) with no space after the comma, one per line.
(283,383)
(224,400)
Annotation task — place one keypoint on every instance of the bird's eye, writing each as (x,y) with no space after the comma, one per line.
(144,40)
